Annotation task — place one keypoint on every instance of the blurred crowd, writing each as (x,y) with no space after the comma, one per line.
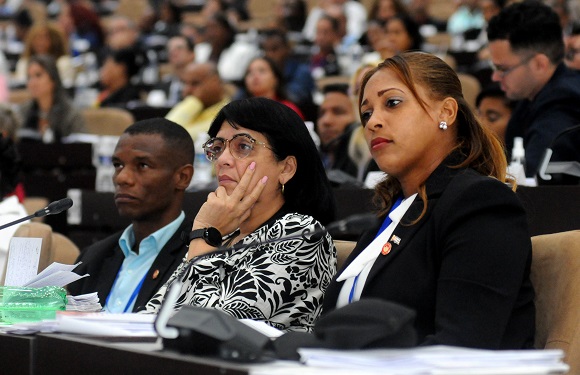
(191,57)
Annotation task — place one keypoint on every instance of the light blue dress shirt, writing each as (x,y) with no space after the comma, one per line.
(135,266)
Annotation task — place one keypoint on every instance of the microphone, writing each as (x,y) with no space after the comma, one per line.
(547,168)
(171,331)
(53,208)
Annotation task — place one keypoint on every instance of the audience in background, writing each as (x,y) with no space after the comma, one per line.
(221,47)
(46,39)
(335,125)
(467,17)
(204,95)
(355,12)
(289,15)
(383,10)
(324,59)
(122,33)
(83,27)
(50,114)
(153,167)
(529,67)
(264,79)
(119,67)
(299,81)
(180,52)
(494,109)
(572,54)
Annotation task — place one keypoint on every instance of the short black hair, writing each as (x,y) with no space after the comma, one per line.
(342,88)
(493,90)
(175,136)
(133,59)
(275,34)
(309,191)
(529,26)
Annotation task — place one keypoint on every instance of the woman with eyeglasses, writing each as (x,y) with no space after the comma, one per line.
(268,211)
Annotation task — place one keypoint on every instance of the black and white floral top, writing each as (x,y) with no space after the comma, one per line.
(281,283)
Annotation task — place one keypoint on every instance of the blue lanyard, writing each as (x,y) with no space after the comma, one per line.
(133,295)
(384,226)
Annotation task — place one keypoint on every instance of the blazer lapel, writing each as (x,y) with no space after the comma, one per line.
(162,268)
(111,266)
(401,236)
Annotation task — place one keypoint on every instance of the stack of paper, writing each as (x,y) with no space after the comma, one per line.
(23,259)
(84,302)
(440,359)
(105,324)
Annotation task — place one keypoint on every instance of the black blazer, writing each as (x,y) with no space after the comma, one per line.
(464,267)
(103,260)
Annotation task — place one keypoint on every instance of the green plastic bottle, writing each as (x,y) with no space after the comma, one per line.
(22,304)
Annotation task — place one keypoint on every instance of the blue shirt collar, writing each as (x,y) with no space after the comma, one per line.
(159,237)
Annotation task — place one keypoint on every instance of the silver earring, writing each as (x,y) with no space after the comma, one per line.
(443,125)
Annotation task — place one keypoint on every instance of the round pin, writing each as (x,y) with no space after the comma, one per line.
(386,248)
(155,274)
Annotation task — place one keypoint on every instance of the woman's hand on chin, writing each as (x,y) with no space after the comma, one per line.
(226,212)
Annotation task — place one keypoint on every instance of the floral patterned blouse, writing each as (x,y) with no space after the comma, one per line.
(281,283)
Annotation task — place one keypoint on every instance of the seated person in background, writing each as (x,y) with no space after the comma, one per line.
(494,110)
(204,95)
(335,126)
(401,34)
(324,60)
(122,33)
(220,46)
(50,114)
(115,78)
(442,248)
(180,54)
(467,16)
(272,186)
(356,18)
(529,67)
(572,56)
(46,39)
(153,167)
(264,79)
(299,82)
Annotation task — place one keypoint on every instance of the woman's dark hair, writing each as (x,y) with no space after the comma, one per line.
(309,191)
(412,28)
(48,64)
(221,19)
(130,58)
(280,87)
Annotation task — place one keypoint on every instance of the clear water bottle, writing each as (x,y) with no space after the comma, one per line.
(202,168)
(516,167)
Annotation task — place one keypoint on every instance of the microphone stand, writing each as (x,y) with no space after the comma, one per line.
(53,208)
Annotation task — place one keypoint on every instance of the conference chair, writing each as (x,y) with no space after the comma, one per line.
(107,121)
(343,250)
(33,204)
(55,246)
(470,87)
(556,279)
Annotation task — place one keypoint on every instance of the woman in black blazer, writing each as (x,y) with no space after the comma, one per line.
(454,245)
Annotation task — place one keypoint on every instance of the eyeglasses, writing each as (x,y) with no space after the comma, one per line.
(241,145)
(502,71)
(571,53)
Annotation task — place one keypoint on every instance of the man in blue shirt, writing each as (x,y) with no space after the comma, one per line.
(153,167)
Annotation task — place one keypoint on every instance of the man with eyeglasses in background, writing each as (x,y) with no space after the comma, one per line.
(527,52)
